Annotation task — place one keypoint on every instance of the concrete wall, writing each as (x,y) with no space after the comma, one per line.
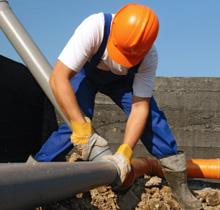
(192,106)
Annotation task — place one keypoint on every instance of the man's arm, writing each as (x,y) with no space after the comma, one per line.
(63,92)
(134,128)
(84,139)
(137,120)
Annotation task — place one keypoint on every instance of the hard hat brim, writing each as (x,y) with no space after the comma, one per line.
(119,57)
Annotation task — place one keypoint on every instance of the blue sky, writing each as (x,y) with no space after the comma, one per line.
(188,43)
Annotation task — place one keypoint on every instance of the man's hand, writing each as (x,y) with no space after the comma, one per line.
(81,131)
(89,145)
(122,160)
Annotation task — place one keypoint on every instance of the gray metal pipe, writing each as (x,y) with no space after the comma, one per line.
(25,185)
(28,50)
(34,59)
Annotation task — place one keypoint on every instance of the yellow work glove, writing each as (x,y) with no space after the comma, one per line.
(89,145)
(122,160)
(81,131)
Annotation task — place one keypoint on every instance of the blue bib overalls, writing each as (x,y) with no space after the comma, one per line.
(157,136)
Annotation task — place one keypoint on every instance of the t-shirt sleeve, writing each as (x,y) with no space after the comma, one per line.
(84,42)
(144,78)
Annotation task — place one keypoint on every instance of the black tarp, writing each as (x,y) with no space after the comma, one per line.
(26,116)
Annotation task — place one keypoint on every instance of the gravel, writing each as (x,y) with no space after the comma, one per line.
(147,193)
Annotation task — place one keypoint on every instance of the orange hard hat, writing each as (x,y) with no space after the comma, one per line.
(133,32)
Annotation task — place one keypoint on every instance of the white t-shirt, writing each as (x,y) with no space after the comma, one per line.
(86,41)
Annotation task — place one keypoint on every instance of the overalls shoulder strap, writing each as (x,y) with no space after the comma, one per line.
(97,57)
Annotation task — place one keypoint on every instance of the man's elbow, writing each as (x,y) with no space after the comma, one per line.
(141,107)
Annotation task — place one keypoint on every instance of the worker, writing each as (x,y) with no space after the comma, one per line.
(115,55)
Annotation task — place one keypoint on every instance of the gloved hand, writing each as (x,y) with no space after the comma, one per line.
(122,160)
(89,145)
(81,131)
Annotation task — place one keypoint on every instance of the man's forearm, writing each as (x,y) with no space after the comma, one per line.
(63,92)
(136,121)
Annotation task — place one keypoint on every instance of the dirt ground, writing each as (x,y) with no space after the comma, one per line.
(147,193)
